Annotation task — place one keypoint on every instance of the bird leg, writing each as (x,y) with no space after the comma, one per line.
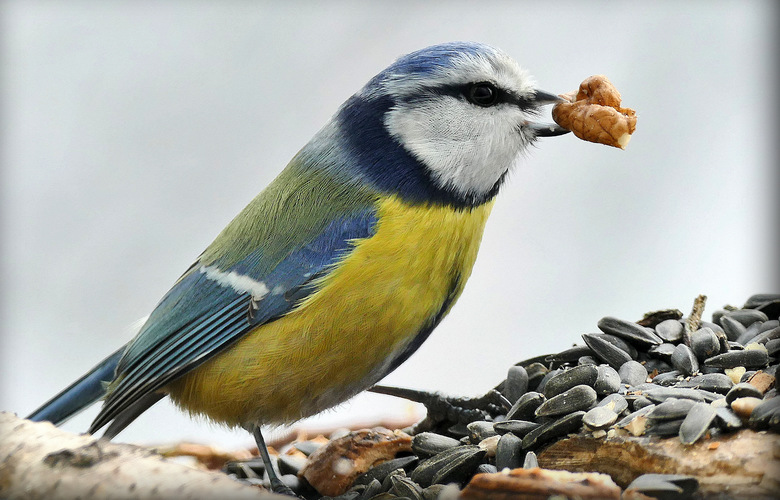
(277,486)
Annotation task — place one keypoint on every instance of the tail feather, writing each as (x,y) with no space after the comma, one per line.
(80,394)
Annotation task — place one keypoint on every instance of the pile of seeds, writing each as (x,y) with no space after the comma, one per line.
(664,375)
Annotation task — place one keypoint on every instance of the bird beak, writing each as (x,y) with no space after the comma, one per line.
(541,98)
(546,129)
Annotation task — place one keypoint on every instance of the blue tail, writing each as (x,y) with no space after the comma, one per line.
(80,394)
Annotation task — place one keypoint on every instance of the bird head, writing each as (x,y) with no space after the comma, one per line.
(440,125)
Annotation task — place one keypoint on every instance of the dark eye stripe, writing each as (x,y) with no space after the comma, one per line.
(503,96)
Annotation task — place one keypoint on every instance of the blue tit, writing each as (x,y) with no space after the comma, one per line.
(341,267)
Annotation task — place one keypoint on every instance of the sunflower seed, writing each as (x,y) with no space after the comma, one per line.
(546,378)
(749,334)
(646,482)
(509,454)
(743,390)
(716,382)
(608,380)
(629,331)
(668,378)
(381,471)
(704,343)
(733,328)
(615,402)
(750,358)
(579,397)
(746,375)
(604,350)
(760,299)
(696,423)
(619,343)
(767,335)
(525,407)
(426,444)
(769,325)
(486,469)
(663,427)
(766,414)
(670,330)
(552,430)
(773,347)
(452,465)
(661,394)
(599,417)
(517,427)
(684,360)
(372,489)
(747,316)
(536,372)
(566,379)
(587,360)
(671,409)
(530,461)
(727,419)
(632,373)
(480,430)
(405,487)
(663,351)
(570,355)
(639,402)
(516,383)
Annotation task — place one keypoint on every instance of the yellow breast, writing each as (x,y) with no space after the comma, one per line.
(342,338)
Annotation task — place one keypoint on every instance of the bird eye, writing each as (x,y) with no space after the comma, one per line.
(482,94)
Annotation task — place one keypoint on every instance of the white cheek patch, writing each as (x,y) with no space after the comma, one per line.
(238,282)
(466,148)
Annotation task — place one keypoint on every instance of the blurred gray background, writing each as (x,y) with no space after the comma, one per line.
(132,132)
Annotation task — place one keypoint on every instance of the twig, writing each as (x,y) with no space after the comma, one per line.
(694,319)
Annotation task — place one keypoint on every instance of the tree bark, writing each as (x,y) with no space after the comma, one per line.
(40,461)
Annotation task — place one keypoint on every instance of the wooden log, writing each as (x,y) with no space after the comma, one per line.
(40,461)
(745,464)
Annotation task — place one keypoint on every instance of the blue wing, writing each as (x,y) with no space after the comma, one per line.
(210,308)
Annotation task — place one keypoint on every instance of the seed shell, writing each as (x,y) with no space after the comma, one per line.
(684,360)
(671,409)
(525,407)
(670,330)
(661,394)
(727,419)
(509,454)
(743,390)
(663,427)
(629,331)
(608,380)
(749,358)
(733,328)
(566,379)
(517,427)
(607,352)
(454,464)
(696,423)
(704,343)
(516,383)
(715,382)
(551,430)
(632,373)
(570,355)
(426,444)
(530,460)
(577,398)
(747,316)
(599,417)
